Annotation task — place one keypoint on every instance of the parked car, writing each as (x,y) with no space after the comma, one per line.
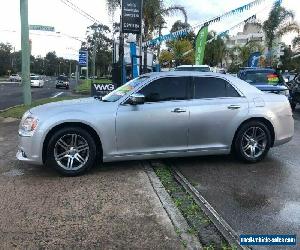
(294,86)
(62,82)
(15,78)
(157,115)
(36,81)
(200,68)
(267,80)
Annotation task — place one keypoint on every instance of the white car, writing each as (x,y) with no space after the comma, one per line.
(36,81)
(15,78)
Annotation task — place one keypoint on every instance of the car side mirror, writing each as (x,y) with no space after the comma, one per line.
(136,99)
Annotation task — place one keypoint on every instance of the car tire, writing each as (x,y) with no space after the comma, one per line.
(252,142)
(63,149)
(67,87)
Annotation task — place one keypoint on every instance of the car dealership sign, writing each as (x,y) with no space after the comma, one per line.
(102,89)
(131,16)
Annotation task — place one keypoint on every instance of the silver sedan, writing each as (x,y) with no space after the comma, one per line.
(157,115)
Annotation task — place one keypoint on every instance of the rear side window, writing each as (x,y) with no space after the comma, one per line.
(211,87)
(166,89)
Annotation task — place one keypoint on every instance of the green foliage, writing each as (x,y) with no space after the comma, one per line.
(97,35)
(279,23)
(5,58)
(215,51)
(18,111)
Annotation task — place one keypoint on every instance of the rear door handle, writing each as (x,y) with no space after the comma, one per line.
(178,110)
(234,107)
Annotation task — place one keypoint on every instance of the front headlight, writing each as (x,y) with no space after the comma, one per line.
(28,125)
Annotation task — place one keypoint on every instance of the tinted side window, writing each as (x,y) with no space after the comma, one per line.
(166,89)
(211,87)
(231,91)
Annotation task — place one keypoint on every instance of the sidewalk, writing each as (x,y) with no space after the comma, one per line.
(113,206)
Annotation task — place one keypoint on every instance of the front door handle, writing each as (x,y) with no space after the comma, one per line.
(234,107)
(178,110)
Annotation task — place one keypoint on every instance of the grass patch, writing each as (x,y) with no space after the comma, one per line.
(84,86)
(199,223)
(18,111)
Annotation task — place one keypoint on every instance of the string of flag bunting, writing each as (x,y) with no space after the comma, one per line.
(184,32)
(226,32)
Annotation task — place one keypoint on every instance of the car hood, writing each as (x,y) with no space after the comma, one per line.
(266,87)
(86,105)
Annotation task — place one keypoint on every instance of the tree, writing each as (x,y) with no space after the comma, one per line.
(5,59)
(97,35)
(279,23)
(215,50)
(51,63)
(166,57)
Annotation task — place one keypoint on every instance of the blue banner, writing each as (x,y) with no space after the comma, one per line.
(134,60)
(254,59)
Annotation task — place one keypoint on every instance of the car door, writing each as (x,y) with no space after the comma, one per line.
(160,125)
(216,112)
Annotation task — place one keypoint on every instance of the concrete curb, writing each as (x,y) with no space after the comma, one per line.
(174,214)
(230,235)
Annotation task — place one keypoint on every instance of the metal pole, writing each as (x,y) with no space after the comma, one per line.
(76,75)
(94,60)
(25,52)
(70,69)
(87,64)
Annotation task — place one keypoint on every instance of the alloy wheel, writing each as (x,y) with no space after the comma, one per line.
(71,151)
(254,141)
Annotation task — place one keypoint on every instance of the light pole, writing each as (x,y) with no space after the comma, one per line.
(94,27)
(25,52)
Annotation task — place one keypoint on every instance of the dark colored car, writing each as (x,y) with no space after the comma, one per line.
(62,82)
(294,85)
(266,79)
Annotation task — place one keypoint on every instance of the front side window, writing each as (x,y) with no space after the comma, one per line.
(124,89)
(166,89)
(211,87)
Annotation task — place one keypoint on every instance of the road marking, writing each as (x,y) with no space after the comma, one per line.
(57,94)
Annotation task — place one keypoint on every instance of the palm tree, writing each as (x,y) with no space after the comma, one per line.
(279,23)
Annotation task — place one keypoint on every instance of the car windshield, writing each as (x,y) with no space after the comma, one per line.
(200,69)
(262,77)
(62,78)
(124,89)
(34,78)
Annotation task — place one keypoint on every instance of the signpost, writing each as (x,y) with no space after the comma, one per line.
(131,16)
(102,89)
(42,28)
(84,60)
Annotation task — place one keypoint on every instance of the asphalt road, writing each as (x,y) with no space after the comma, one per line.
(262,198)
(11,93)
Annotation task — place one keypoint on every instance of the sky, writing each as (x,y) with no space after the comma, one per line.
(69,23)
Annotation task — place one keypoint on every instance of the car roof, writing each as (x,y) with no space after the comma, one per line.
(194,66)
(258,69)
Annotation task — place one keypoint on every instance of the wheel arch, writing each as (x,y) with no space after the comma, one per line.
(88,128)
(259,119)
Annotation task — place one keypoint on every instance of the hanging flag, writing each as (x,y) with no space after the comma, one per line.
(200,45)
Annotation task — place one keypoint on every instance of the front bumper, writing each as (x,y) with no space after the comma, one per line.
(30,149)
